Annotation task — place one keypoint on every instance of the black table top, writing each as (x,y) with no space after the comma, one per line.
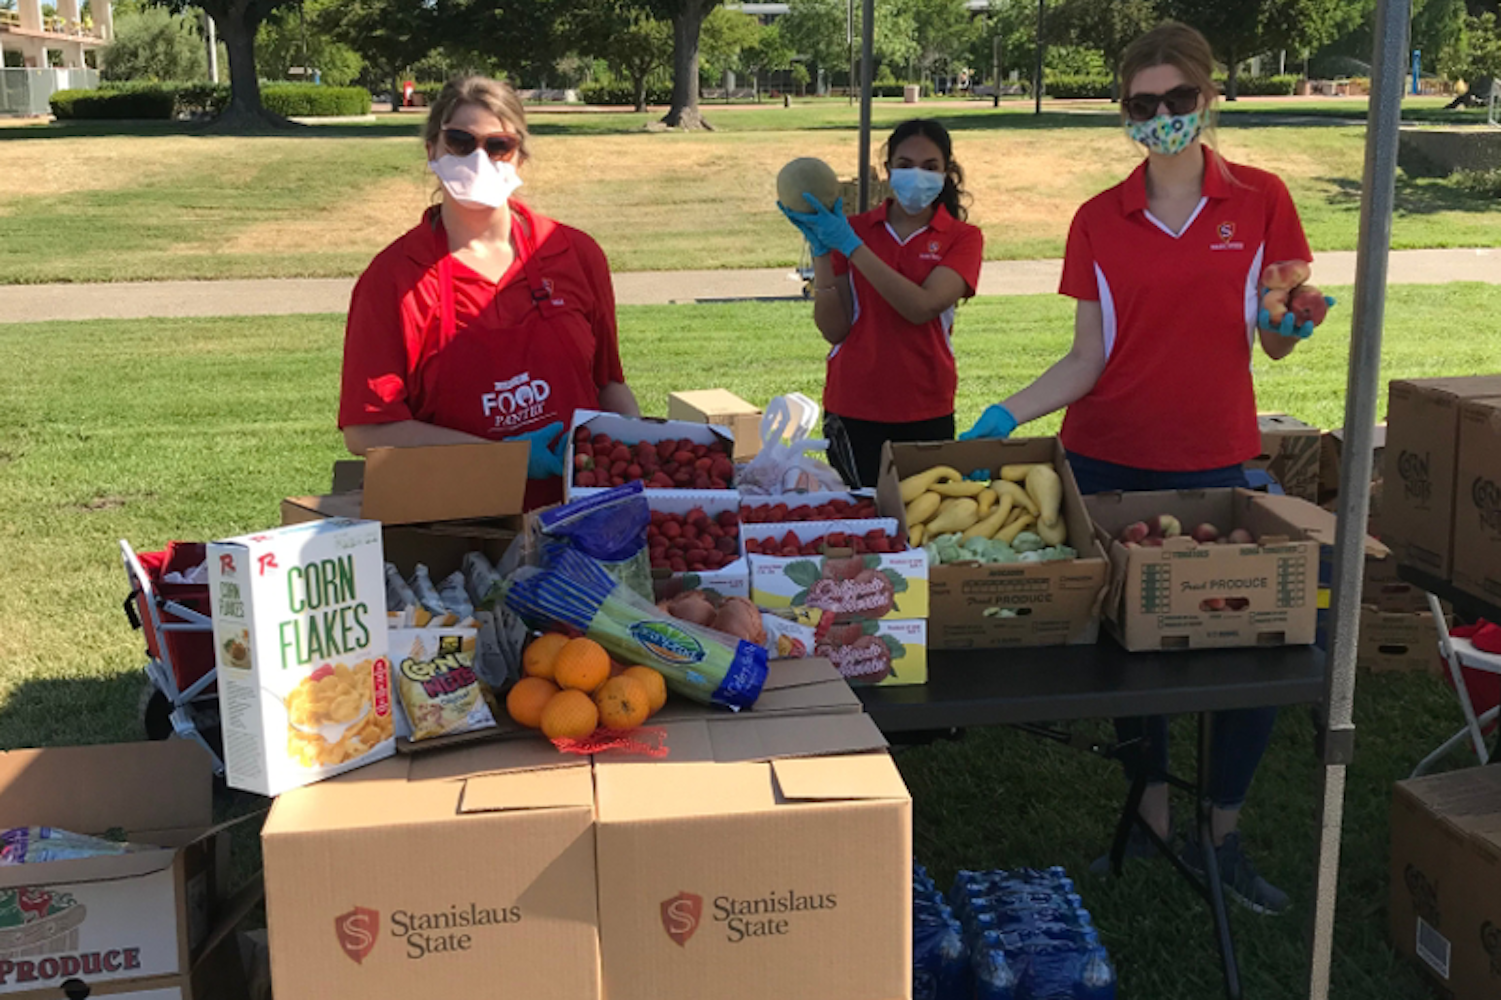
(995,687)
(1466,604)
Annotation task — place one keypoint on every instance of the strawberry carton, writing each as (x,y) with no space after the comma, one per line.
(606,449)
(845,585)
(807,507)
(695,544)
(877,652)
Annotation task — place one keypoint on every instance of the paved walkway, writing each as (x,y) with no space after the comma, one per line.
(291,296)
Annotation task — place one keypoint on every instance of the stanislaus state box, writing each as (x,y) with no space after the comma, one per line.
(743,879)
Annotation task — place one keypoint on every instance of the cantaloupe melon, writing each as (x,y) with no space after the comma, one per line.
(807,174)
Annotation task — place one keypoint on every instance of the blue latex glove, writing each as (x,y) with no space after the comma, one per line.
(830,226)
(1289,327)
(995,422)
(545,460)
(804,224)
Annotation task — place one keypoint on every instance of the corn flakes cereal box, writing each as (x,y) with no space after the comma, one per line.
(300,636)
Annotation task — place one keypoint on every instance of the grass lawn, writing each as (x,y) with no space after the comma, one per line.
(162,429)
(106,202)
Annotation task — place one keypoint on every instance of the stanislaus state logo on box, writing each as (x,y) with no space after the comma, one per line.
(740,920)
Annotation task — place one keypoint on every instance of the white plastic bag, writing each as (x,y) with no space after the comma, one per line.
(786,463)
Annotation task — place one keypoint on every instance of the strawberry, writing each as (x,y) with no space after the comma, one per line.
(727,519)
(584,479)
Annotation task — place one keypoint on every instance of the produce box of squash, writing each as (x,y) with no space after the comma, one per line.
(1013,560)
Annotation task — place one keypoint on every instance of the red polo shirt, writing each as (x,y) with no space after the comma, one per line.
(1180,318)
(887,369)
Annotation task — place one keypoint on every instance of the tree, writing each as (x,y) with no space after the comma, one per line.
(289,39)
(770,53)
(633,43)
(725,36)
(942,29)
(1233,28)
(1480,57)
(819,31)
(1108,25)
(523,39)
(388,35)
(1438,31)
(155,44)
(687,17)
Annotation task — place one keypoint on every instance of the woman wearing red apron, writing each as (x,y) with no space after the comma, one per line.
(487,321)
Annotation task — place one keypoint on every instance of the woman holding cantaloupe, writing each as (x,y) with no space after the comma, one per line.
(1178,272)
(487,321)
(885,284)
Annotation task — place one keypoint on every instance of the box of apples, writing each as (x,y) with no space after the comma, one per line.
(606,449)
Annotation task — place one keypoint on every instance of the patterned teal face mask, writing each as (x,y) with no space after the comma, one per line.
(1168,134)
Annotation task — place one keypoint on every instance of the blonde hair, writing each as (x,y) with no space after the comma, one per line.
(1175,44)
(495,96)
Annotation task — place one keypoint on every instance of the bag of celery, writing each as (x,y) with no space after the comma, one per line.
(699,663)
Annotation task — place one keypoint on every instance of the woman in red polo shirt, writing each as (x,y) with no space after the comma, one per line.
(486,321)
(1165,268)
(885,286)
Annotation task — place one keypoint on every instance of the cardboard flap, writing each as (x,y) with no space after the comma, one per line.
(104,869)
(784,674)
(824,779)
(557,788)
(135,786)
(794,736)
(513,756)
(445,482)
(1317,523)
(349,475)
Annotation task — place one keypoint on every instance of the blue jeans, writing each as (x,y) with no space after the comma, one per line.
(1241,736)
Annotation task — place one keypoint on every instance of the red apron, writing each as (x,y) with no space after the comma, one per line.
(504,375)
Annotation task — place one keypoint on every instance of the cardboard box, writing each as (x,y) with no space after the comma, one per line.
(975,606)
(848,587)
(729,580)
(448,482)
(751,504)
(1392,641)
(884,652)
(1477,501)
(1445,902)
(786,878)
(300,640)
(135,924)
(1290,451)
(1262,595)
(725,409)
(1331,454)
(469,872)
(1421,462)
(634,430)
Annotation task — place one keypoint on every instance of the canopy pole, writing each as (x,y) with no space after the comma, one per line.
(867,56)
(1042,17)
(1383,122)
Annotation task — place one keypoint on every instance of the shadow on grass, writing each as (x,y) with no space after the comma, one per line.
(150,129)
(1415,196)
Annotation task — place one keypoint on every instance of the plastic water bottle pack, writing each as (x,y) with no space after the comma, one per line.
(1028,936)
(939,965)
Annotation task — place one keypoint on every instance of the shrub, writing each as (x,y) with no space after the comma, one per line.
(1064,87)
(309,100)
(205,99)
(1486,183)
(140,101)
(617,92)
(1266,86)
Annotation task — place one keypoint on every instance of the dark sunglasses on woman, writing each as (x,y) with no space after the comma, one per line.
(1179,101)
(498,145)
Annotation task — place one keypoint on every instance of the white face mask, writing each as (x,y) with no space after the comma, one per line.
(476,181)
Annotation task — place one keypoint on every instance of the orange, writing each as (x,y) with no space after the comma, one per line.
(528,698)
(540,656)
(653,683)
(583,665)
(623,703)
(570,715)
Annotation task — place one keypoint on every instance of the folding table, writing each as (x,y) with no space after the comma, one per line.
(1029,686)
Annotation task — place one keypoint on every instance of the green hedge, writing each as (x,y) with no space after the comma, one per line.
(156,101)
(897,89)
(1266,86)
(622,93)
(310,100)
(1486,183)
(1065,87)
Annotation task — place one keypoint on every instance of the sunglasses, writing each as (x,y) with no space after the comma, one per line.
(498,145)
(1179,101)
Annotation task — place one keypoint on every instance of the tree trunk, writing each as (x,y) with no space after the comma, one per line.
(1115,82)
(640,93)
(237,22)
(1231,75)
(684,112)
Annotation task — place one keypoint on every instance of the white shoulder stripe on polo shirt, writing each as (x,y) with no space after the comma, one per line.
(1168,229)
(1253,296)
(1107,310)
(903,242)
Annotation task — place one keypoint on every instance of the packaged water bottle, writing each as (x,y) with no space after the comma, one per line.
(995,979)
(1097,980)
(952,970)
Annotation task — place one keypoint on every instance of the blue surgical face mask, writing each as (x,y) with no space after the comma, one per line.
(915,189)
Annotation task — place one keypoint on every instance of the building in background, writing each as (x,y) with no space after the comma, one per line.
(42,55)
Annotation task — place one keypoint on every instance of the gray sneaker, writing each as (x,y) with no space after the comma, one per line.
(1239,876)
(1138,848)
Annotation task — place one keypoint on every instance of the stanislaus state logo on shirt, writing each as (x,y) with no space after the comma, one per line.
(932,252)
(1226,232)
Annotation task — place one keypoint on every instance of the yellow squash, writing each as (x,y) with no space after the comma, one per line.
(915,486)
